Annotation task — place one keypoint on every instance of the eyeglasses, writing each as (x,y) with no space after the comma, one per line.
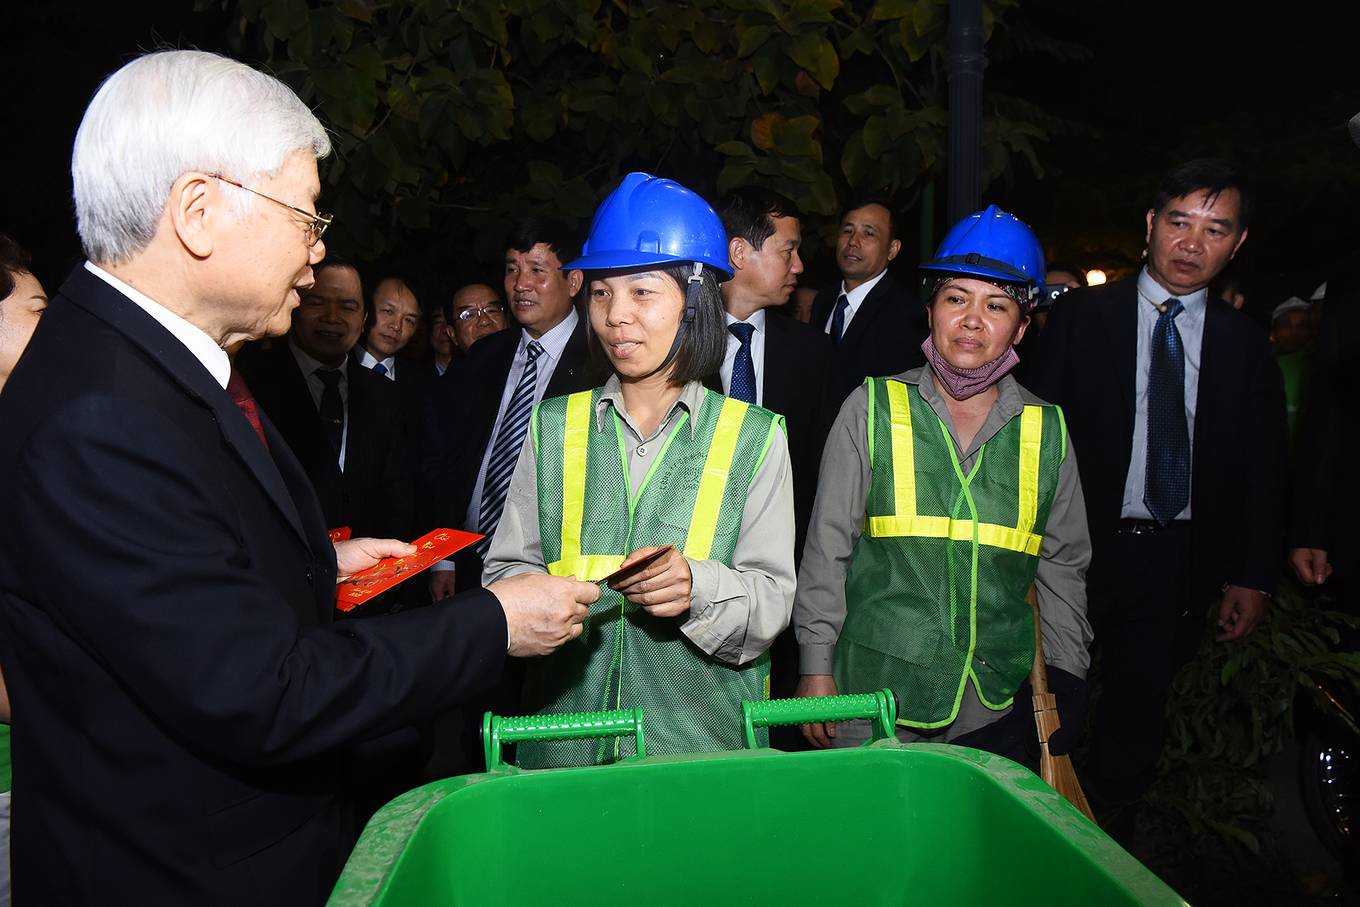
(490,309)
(316,223)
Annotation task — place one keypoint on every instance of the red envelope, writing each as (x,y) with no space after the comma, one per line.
(392,571)
(341,535)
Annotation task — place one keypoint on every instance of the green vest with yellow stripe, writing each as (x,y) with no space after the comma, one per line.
(936,587)
(693,497)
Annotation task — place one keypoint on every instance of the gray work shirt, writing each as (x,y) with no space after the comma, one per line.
(838,520)
(735,612)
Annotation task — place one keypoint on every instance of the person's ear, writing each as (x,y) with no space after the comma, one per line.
(1241,239)
(736,252)
(196,208)
(893,248)
(574,281)
(1020,331)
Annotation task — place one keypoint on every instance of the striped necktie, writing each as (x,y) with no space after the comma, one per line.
(505,451)
(838,319)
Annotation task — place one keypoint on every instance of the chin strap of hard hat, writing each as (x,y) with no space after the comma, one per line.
(693,287)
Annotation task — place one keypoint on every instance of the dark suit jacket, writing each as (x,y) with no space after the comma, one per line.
(166,589)
(460,419)
(884,337)
(798,359)
(415,382)
(1326,487)
(1086,364)
(375,494)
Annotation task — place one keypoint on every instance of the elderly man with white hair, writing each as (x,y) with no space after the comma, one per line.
(166,580)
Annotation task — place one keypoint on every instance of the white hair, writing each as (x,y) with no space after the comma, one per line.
(165,114)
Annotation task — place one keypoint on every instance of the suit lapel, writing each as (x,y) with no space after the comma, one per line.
(777,378)
(881,295)
(1123,345)
(569,371)
(106,303)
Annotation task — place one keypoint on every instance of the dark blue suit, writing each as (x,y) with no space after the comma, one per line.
(166,592)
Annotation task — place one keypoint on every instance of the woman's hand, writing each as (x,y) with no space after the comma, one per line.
(661,589)
(359,554)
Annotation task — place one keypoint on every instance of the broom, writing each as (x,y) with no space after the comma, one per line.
(1057,771)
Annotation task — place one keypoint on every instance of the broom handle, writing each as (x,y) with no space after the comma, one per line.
(1038,675)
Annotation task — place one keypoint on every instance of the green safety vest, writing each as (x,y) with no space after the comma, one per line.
(936,587)
(693,497)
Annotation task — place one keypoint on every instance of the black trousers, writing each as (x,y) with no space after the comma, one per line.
(1148,616)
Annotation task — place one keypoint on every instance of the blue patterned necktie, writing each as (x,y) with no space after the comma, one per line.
(838,319)
(743,385)
(501,466)
(380,369)
(1166,490)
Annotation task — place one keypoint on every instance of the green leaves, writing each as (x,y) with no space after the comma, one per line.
(456,119)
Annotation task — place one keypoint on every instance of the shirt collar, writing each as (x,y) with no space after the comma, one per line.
(194,338)
(1153,293)
(1008,405)
(856,296)
(554,341)
(309,365)
(692,397)
(756,320)
(368,360)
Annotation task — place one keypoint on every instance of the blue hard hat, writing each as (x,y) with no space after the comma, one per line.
(992,245)
(652,221)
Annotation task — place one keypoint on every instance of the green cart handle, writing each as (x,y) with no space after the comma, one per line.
(498,730)
(879,707)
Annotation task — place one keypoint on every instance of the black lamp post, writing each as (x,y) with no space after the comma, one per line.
(964,67)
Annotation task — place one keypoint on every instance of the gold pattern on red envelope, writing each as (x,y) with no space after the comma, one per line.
(391,571)
(341,534)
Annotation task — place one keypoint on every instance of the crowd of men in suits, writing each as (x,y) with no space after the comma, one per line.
(217,538)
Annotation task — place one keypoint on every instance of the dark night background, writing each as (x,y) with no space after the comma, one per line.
(1163,82)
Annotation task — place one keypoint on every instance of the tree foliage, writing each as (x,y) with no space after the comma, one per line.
(453,119)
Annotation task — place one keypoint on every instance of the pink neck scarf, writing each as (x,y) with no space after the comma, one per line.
(962,383)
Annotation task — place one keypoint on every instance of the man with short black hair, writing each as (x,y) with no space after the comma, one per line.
(475,311)
(1176,408)
(482,412)
(876,326)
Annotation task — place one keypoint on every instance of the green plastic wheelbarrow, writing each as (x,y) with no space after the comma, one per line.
(885,823)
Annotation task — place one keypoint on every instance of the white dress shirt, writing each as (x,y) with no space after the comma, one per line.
(757,321)
(554,343)
(194,338)
(1190,323)
(856,298)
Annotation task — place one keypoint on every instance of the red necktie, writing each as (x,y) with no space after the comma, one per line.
(240,395)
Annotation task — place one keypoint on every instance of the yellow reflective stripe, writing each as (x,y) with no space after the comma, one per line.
(903,450)
(575,439)
(704,521)
(589,568)
(941,527)
(1031,431)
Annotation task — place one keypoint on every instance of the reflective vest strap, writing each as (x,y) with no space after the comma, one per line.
(575,439)
(588,568)
(903,450)
(1031,433)
(704,521)
(941,527)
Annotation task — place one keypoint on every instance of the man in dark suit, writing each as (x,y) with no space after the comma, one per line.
(391,324)
(1176,409)
(779,363)
(165,619)
(876,325)
(342,422)
(773,360)
(467,474)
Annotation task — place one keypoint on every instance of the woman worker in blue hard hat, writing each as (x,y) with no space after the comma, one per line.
(650,460)
(944,492)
